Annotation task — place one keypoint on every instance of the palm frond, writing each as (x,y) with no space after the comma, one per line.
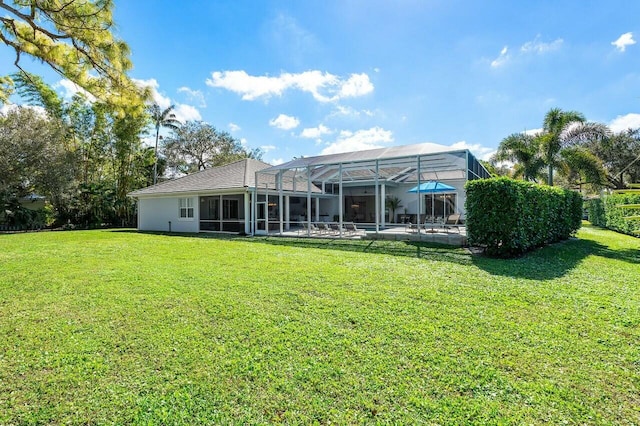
(580,161)
(582,133)
(556,120)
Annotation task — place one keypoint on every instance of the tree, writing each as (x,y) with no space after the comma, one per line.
(75,39)
(523,150)
(496,169)
(104,156)
(620,155)
(562,145)
(393,204)
(85,122)
(32,158)
(197,145)
(161,118)
(128,161)
(36,92)
(569,129)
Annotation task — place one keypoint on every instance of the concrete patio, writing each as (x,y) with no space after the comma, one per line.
(453,237)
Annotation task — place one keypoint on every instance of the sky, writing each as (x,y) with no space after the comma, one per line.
(304,78)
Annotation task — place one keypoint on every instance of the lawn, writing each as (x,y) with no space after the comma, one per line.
(123,327)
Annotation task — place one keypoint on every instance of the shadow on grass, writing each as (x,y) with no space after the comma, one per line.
(553,261)
(547,263)
(419,250)
(414,249)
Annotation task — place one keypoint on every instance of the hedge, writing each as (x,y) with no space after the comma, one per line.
(615,216)
(509,217)
(595,208)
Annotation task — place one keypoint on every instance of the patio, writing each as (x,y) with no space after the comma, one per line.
(427,180)
(398,232)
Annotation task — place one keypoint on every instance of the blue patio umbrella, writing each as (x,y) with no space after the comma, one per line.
(432,187)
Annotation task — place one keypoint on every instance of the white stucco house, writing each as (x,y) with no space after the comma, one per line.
(253,197)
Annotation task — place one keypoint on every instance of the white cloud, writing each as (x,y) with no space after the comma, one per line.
(4,109)
(342,110)
(624,122)
(194,95)
(501,59)
(183,112)
(234,127)
(348,111)
(356,85)
(360,140)
(186,113)
(276,161)
(623,41)
(284,122)
(323,86)
(539,47)
(533,47)
(533,132)
(162,101)
(267,148)
(70,89)
(315,132)
(480,151)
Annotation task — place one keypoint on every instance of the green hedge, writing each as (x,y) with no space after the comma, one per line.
(596,212)
(615,216)
(510,217)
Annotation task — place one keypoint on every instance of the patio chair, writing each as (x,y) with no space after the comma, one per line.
(351,228)
(411,227)
(335,228)
(323,228)
(433,223)
(453,221)
(311,227)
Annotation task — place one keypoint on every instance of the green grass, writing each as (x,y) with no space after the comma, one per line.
(120,327)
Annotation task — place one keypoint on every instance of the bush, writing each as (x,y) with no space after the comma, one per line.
(596,212)
(615,216)
(509,217)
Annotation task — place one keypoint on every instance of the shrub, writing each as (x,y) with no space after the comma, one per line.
(596,212)
(509,217)
(615,216)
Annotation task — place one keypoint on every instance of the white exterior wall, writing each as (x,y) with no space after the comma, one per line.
(154,214)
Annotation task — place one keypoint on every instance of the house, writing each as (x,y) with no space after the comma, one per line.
(256,198)
(216,199)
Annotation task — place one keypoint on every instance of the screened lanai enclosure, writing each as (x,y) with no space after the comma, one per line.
(355,187)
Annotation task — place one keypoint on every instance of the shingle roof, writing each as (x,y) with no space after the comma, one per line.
(237,175)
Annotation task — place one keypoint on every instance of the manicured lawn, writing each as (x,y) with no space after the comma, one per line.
(120,327)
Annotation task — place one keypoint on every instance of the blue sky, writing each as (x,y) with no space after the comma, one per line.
(310,77)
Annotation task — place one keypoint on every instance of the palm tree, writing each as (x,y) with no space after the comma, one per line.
(161,118)
(560,145)
(393,204)
(564,134)
(523,150)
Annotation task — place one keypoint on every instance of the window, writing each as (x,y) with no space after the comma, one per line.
(230,209)
(186,208)
(210,208)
